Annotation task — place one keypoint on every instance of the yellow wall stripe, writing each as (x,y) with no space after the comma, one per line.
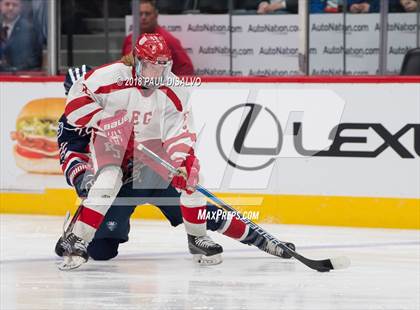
(284,209)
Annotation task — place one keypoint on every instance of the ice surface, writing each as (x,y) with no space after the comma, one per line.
(155,271)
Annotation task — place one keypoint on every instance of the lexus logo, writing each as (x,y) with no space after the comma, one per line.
(244,129)
(357,145)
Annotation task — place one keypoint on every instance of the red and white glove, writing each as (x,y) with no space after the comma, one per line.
(117,128)
(187,179)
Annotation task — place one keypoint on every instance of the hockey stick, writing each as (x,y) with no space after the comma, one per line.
(68,262)
(319,265)
(70,225)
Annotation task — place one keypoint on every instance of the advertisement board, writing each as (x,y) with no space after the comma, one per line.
(275,138)
(205,39)
(402,36)
(29,160)
(361,44)
(311,139)
(316,151)
(267,44)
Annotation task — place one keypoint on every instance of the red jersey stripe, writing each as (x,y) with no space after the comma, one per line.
(174,98)
(86,119)
(191,214)
(236,228)
(183,135)
(106,89)
(90,217)
(71,156)
(77,104)
(181,148)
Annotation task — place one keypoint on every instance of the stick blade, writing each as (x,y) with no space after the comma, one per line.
(327,265)
(340,262)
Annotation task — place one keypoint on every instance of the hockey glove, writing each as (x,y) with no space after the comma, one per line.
(81,177)
(83,182)
(117,128)
(187,179)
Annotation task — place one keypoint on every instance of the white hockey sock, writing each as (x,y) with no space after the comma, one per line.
(100,198)
(193,208)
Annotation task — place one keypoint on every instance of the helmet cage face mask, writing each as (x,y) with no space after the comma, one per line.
(153,74)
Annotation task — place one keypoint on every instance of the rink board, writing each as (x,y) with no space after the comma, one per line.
(367,174)
(275,209)
(269,44)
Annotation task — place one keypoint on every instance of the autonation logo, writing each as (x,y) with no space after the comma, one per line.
(214,28)
(226,51)
(284,51)
(273,72)
(338,27)
(403,27)
(400,50)
(211,50)
(351,51)
(277,29)
(215,71)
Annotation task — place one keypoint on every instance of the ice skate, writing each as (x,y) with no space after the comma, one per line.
(204,250)
(75,252)
(59,248)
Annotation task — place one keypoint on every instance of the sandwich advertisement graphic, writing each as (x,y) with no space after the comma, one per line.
(29,117)
(36,149)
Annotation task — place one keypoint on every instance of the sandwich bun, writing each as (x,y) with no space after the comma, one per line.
(36,151)
(44,108)
(46,165)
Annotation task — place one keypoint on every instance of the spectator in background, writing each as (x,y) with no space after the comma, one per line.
(354,6)
(363,6)
(272,6)
(326,6)
(182,64)
(409,5)
(19,46)
(288,6)
(40,19)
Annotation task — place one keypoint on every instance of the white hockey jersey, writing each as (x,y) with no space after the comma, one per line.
(162,115)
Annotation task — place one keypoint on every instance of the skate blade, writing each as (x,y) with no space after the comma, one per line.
(203,260)
(71,262)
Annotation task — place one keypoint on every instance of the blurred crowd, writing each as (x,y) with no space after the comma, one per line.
(336,6)
(23,34)
(23,23)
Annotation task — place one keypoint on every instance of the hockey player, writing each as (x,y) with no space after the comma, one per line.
(127,105)
(101,104)
(74,159)
(140,185)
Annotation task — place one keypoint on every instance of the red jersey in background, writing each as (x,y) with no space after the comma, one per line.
(182,63)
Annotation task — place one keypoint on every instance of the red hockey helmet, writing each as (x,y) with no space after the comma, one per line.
(152,47)
(153,58)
